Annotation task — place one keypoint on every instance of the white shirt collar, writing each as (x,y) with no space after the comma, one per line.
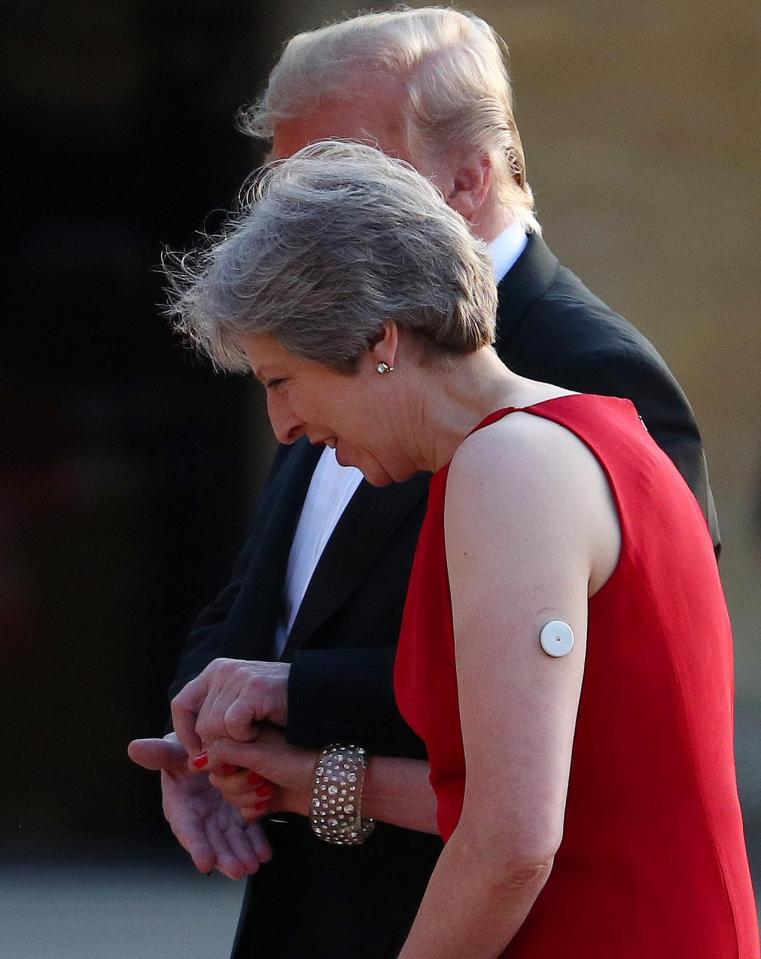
(506,248)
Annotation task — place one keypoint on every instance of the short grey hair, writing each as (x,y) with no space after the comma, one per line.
(327,246)
(452,66)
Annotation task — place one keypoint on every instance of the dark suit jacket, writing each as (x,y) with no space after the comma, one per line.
(315,900)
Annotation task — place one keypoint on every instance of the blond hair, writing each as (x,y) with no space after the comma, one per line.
(452,67)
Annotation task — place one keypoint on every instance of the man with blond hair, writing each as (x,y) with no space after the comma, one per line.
(304,636)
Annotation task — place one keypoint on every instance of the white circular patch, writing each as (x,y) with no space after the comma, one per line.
(556,638)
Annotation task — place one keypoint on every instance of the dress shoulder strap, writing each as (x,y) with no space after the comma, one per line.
(493,417)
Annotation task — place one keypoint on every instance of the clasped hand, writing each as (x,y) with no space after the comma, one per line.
(213,831)
(238,769)
(228,699)
(229,714)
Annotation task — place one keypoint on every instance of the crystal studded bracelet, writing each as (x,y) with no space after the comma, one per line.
(335,811)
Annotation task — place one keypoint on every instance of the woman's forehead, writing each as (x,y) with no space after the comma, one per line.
(264,351)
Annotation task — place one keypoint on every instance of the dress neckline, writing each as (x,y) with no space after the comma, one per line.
(503,411)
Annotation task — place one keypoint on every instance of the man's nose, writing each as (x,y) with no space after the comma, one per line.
(286,426)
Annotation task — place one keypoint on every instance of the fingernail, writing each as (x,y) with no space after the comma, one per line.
(228,768)
(265,791)
(254,779)
(261,806)
(201,760)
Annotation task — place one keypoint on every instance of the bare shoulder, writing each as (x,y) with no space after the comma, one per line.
(528,485)
(519,453)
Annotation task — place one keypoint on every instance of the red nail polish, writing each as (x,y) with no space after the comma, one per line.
(254,779)
(227,769)
(201,760)
(261,806)
(264,792)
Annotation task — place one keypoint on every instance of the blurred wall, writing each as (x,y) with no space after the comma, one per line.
(131,471)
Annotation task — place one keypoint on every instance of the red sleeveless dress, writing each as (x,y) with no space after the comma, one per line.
(652,864)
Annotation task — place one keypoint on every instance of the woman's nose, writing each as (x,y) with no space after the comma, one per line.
(286,426)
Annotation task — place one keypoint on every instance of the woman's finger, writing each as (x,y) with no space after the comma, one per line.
(248,796)
(240,787)
(231,785)
(246,755)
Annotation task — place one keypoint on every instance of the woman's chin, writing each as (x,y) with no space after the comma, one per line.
(375,475)
(376,480)
(373,472)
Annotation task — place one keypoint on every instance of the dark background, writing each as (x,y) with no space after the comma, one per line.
(128,469)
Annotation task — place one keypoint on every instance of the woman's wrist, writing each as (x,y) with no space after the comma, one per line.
(296,797)
(397,790)
(336,797)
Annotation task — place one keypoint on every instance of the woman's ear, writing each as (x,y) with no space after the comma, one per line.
(385,347)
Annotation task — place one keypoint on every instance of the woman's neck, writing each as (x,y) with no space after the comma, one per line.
(451,399)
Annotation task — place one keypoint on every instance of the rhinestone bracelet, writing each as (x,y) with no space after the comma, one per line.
(335,811)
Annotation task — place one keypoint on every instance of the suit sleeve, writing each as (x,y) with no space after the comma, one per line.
(204,642)
(347,696)
(646,380)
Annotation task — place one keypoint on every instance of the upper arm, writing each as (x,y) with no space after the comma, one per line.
(204,641)
(525,522)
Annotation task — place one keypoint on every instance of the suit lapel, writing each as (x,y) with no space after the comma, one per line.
(367,524)
(275,526)
(529,278)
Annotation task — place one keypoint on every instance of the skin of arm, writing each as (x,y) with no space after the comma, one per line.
(552,541)
(396,790)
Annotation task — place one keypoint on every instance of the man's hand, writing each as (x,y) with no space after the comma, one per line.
(206,826)
(227,699)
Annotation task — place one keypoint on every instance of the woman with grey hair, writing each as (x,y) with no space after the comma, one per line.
(565,652)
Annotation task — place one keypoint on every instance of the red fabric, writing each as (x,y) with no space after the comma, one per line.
(652,864)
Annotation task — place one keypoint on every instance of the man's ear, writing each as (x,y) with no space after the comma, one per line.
(470,185)
(384,348)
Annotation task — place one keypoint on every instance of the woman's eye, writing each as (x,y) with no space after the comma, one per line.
(274,384)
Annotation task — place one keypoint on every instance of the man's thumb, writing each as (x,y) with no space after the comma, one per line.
(157,754)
